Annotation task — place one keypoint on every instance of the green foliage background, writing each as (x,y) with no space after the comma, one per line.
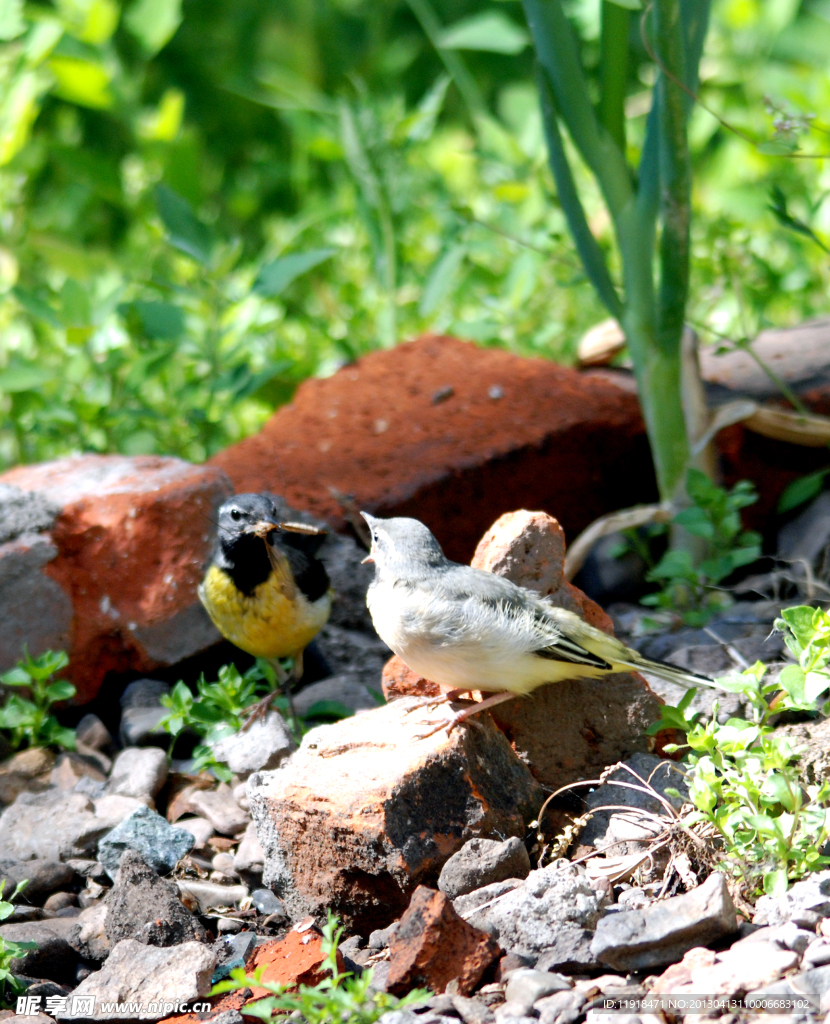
(203,203)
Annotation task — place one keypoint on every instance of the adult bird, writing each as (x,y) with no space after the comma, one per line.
(265,589)
(466,629)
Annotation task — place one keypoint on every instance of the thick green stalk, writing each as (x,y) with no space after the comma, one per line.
(613,70)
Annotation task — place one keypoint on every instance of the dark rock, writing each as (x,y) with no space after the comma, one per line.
(231,952)
(482,861)
(569,951)
(349,652)
(433,946)
(147,908)
(60,901)
(53,958)
(42,876)
(635,940)
(266,902)
(141,713)
(24,512)
(160,845)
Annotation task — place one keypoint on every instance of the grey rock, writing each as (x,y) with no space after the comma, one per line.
(250,856)
(469,904)
(113,808)
(381,937)
(401,1017)
(805,903)
(343,559)
(42,876)
(480,862)
(569,951)
(92,732)
(220,809)
(813,984)
(526,919)
(267,902)
(91,940)
(35,612)
(200,828)
(141,713)
(232,952)
(361,655)
(472,1011)
(73,830)
(161,845)
(348,689)
(147,908)
(525,986)
(511,1013)
(660,775)
(138,772)
(53,958)
(151,976)
(210,895)
(264,745)
(817,954)
(24,512)
(60,900)
(808,534)
(635,940)
(561,1008)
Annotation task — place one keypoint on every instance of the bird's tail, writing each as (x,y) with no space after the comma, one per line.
(671,673)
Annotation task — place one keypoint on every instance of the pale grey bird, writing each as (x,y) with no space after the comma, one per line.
(466,629)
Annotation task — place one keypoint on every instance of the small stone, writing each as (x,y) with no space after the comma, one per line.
(148,976)
(249,857)
(561,1007)
(381,937)
(53,957)
(635,940)
(210,895)
(266,902)
(200,828)
(482,861)
(805,903)
(220,809)
(554,904)
(60,900)
(262,746)
(113,808)
(27,771)
(73,830)
(91,939)
(433,946)
(817,954)
(524,987)
(147,908)
(70,768)
(223,862)
(138,772)
(232,952)
(160,845)
(92,732)
(472,1011)
(42,876)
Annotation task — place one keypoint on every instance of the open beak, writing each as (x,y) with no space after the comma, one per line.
(369,519)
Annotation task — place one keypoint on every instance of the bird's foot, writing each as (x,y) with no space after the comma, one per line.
(257,712)
(465,715)
(445,697)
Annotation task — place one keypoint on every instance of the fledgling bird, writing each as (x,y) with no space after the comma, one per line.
(467,629)
(265,589)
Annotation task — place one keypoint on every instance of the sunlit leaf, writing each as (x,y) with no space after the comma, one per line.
(275,277)
(12,24)
(154,22)
(85,82)
(490,31)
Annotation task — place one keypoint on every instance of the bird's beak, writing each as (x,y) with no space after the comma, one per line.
(263,528)
(369,519)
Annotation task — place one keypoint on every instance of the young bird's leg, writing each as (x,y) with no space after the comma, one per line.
(285,679)
(445,697)
(465,713)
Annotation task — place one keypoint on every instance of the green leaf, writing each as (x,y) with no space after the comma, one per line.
(85,82)
(815,684)
(800,619)
(36,306)
(696,521)
(185,231)
(154,22)
(775,882)
(61,690)
(275,277)
(802,490)
(442,279)
(629,5)
(328,709)
(24,377)
(160,321)
(16,677)
(792,679)
(777,788)
(12,24)
(490,31)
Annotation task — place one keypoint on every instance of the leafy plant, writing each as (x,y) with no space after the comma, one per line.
(688,585)
(745,781)
(9,951)
(28,718)
(339,998)
(217,710)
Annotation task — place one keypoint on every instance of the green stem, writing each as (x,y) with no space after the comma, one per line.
(613,70)
(456,68)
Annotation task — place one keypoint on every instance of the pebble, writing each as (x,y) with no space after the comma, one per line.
(138,772)
(209,895)
(161,845)
(220,809)
(267,902)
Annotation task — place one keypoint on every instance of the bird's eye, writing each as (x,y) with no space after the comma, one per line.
(236,515)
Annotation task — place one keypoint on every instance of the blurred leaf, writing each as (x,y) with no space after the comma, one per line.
(160,321)
(629,5)
(12,24)
(154,22)
(184,229)
(163,123)
(18,110)
(91,21)
(331,709)
(802,490)
(275,277)
(442,279)
(85,82)
(491,31)
(39,308)
(22,377)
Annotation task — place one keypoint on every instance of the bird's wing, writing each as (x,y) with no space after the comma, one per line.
(549,638)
